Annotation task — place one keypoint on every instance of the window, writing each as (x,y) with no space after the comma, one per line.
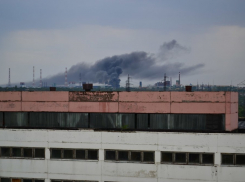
(20,152)
(39,153)
(148,157)
(59,180)
(16,152)
(93,154)
(233,159)
(20,180)
(207,158)
(86,154)
(56,153)
(28,152)
(130,156)
(194,158)
(180,158)
(228,159)
(167,157)
(68,154)
(135,156)
(80,154)
(240,159)
(122,155)
(5,152)
(187,158)
(110,155)
(5,180)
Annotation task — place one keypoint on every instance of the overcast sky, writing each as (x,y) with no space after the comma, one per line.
(54,34)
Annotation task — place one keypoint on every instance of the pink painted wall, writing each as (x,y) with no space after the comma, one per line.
(126,102)
(45,96)
(10,96)
(107,107)
(144,97)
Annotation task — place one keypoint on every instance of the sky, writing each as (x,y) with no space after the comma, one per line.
(80,34)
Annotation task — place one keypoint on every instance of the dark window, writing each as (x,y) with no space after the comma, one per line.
(5,180)
(16,119)
(110,155)
(27,180)
(214,122)
(240,159)
(180,157)
(93,154)
(142,121)
(135,156)
(68,154)
(227,159)
(167,157)
(122,155)
(159,121)
(194,158)
(16,152)
(39,153)
(56,153)
(27,152)
(39,180)
(16,180)
(148,157)
(5,152)
(207,158)
(80,154)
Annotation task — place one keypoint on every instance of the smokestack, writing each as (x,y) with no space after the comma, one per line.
(33,82)
(165,83)
(66,78)
(179,78)
(41,83)
(9,84)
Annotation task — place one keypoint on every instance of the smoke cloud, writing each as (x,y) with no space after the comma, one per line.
(139,65)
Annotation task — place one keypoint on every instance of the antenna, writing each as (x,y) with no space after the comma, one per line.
(9,84)
(33,82)
(41,82)
(66,78)
(128,84)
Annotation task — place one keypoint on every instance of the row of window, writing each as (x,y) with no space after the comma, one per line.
(22,152)
(37,180)
(113,121)
(123,155)
(233,159)
(133,156)
(84,154)
(188,158)
(20,180)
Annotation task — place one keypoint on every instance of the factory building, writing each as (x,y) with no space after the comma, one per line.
(120,137)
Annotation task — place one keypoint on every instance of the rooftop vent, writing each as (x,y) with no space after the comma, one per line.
(188,88)
(52,88)
(88,87)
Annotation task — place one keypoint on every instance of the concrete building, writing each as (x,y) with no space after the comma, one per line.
(120,136)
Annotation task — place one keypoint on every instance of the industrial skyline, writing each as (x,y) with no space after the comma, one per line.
(53,35)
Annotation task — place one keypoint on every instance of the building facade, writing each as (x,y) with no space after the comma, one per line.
(120,136)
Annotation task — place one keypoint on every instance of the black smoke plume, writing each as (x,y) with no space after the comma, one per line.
(139,65)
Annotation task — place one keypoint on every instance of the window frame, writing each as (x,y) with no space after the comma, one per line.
(73,154)
(129,156)
(22,153)
(187,158)
(234,159)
